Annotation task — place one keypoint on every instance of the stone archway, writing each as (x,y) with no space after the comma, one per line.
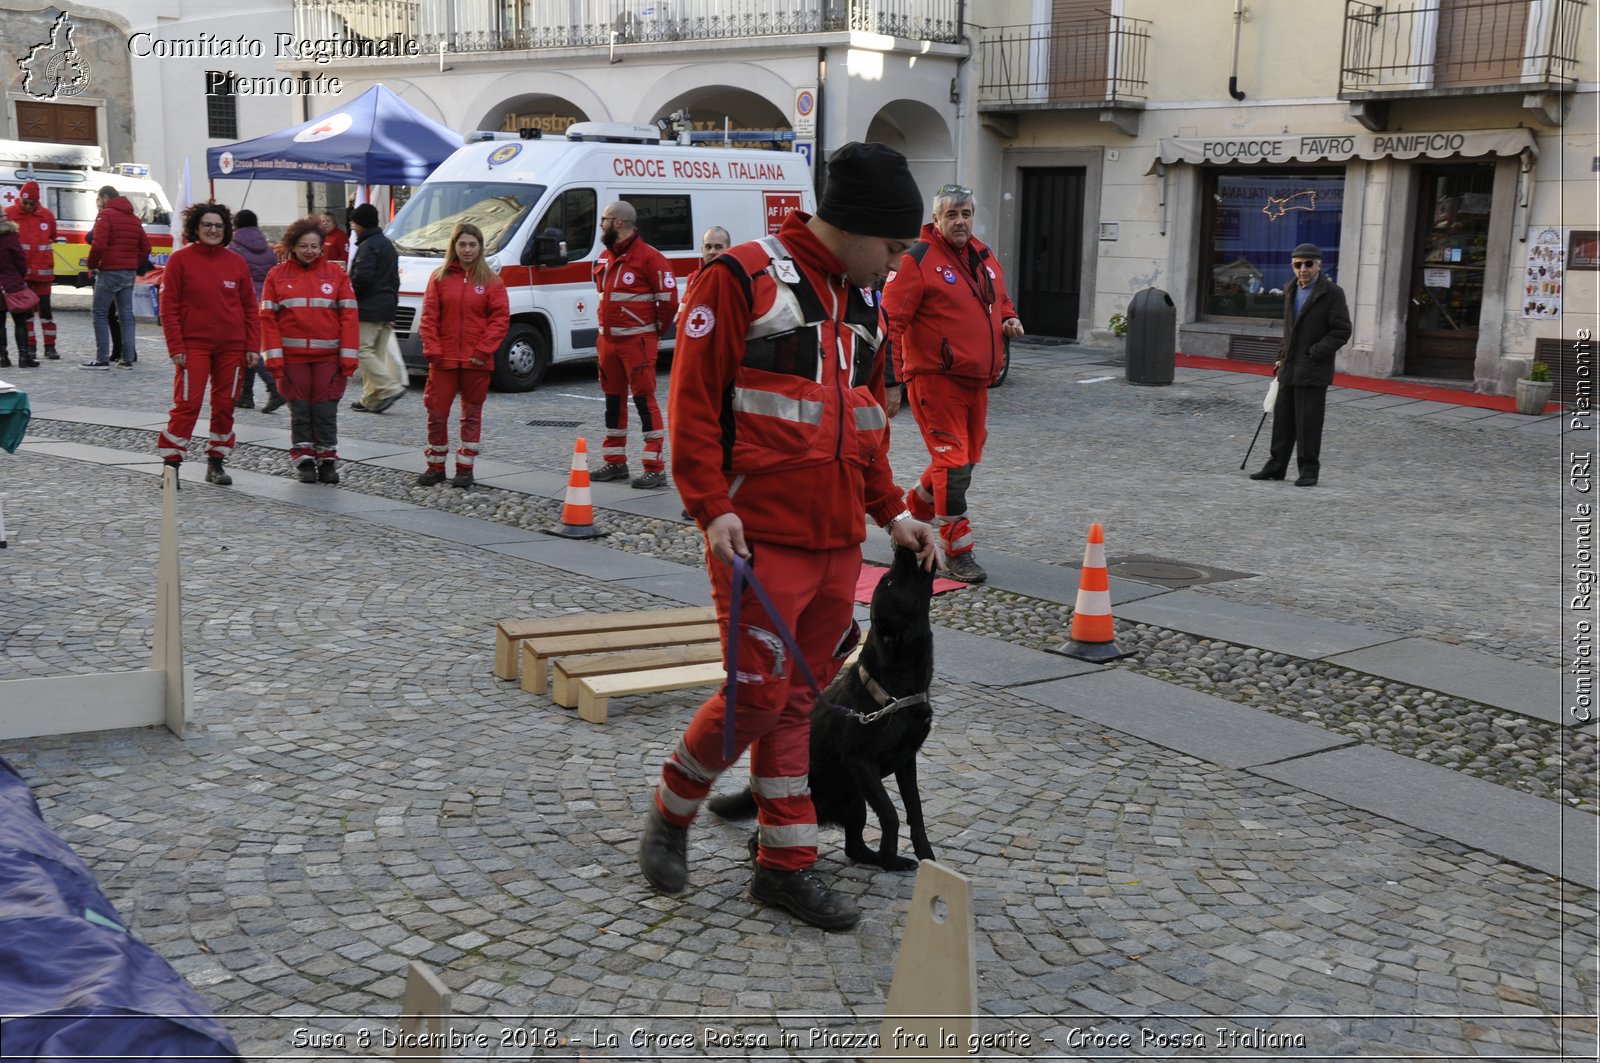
(922,135)
(548,113)
(715,107)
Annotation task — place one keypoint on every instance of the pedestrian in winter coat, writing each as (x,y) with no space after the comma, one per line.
(375,276)
(1316,323)
(120,247)
(950,317)
(780,456)
(213,331)
(638,302)
(36,228)
(13,278)
(465,315)
(335,244)
(250,244)
(309,338)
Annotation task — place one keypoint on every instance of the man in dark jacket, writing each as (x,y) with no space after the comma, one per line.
(120,247)
(1316,323)
(375,275)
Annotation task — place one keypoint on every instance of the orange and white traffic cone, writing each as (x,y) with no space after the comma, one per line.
(577,513)
(1094,636)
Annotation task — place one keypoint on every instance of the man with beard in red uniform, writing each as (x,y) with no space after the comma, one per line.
(36,228)
(779,445)
(950,317)
(638,300)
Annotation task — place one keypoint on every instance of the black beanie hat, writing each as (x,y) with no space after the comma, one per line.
(871,192)
(365,215)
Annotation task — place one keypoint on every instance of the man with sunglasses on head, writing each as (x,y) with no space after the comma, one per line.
(1316,323)
(949,318)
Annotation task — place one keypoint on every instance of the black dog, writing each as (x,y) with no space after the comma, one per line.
(852,753)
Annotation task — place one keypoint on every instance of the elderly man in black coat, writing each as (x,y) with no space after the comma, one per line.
(1316,323)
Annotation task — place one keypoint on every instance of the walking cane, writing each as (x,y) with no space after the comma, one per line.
(1266,408)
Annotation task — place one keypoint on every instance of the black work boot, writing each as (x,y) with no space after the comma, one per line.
(215,474)
(245,401)
(430,478)
(5,359)
(804,893)
(609,473)
(328,473)
(664,852)
(307,472)
(26,360)
(50,354)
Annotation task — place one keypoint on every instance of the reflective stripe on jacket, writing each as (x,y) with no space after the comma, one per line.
(463,320)
(308,313)
(37,231)
(638,291)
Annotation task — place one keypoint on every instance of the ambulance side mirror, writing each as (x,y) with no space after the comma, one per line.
(546,251)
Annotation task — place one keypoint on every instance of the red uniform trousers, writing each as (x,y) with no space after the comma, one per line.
(438,395)
(47,320)
(224,371)
(953,415)
(313,390)
(629,364)
(812,591)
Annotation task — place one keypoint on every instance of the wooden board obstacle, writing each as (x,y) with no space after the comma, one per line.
(585,660)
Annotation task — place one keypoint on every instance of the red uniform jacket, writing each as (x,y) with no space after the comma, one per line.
(791,437)
(308,313)
(638,291)
(945,311)
(208,301)
(36,229)
(336,246)
(463,320)
(119,238)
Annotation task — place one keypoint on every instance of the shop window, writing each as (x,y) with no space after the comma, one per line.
(1254,220)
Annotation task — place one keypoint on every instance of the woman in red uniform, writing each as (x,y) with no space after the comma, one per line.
(465,315)
(213,330)
(310,338)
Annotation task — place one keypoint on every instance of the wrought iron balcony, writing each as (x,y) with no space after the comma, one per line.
(499,25)
(1458,47)
(1066,65)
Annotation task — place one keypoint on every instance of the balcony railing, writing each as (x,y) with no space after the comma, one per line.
(1100,60)
(1461,45)
(495,25)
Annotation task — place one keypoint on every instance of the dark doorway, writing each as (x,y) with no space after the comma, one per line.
(1050,252)
(1446,296)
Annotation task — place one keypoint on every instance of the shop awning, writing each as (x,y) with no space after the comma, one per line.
(1337,147)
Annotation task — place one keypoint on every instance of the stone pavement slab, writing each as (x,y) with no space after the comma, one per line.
(86,452)
(1459,413)
(1251,625)
(467,531)
(1201,725)
(118,418)
(284,488)
(1380,401)
(963,657)
(662,503)
(587,559)
(688,586)
(1036,579)
(1529,830)
(362,449)
(1521,688)
(543,484)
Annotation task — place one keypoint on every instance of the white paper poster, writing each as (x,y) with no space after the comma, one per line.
(1541,284)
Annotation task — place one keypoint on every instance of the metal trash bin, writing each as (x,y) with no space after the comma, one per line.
(1152,337)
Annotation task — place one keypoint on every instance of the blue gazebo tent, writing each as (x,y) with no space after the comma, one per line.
(375,139)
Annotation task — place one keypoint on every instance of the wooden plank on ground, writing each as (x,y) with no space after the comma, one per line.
(933,999)
(536,652)
(595,692)
(508,633)
(566,671)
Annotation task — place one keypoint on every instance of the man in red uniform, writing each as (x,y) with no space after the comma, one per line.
(950,316)
(638,300)
(779,443)
(36,228)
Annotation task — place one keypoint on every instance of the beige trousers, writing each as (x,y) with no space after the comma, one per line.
(381,377)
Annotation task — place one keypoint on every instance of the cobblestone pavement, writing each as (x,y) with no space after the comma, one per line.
(358,792)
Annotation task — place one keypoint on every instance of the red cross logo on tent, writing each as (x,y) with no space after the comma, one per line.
(325,127)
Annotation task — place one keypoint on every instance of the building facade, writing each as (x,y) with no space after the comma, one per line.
(1442,152)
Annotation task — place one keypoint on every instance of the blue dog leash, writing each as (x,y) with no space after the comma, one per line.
(744,574)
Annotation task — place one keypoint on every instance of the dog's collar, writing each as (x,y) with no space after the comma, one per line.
(888,702)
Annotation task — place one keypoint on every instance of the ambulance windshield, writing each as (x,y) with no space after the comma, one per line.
(424,224)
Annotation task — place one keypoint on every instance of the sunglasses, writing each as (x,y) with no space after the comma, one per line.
(1305,265)
(954,190)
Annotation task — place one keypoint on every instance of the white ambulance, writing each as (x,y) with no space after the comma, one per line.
(69,176)
(538,202)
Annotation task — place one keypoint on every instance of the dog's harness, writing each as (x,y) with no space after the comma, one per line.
(743,576)
(889,702)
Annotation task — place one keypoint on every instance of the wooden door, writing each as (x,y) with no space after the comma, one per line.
(1447,273)
(1480,42)
(1049,273)
(1079,30)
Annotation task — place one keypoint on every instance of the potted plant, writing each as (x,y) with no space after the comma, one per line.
(1114,335)
(1533,390)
